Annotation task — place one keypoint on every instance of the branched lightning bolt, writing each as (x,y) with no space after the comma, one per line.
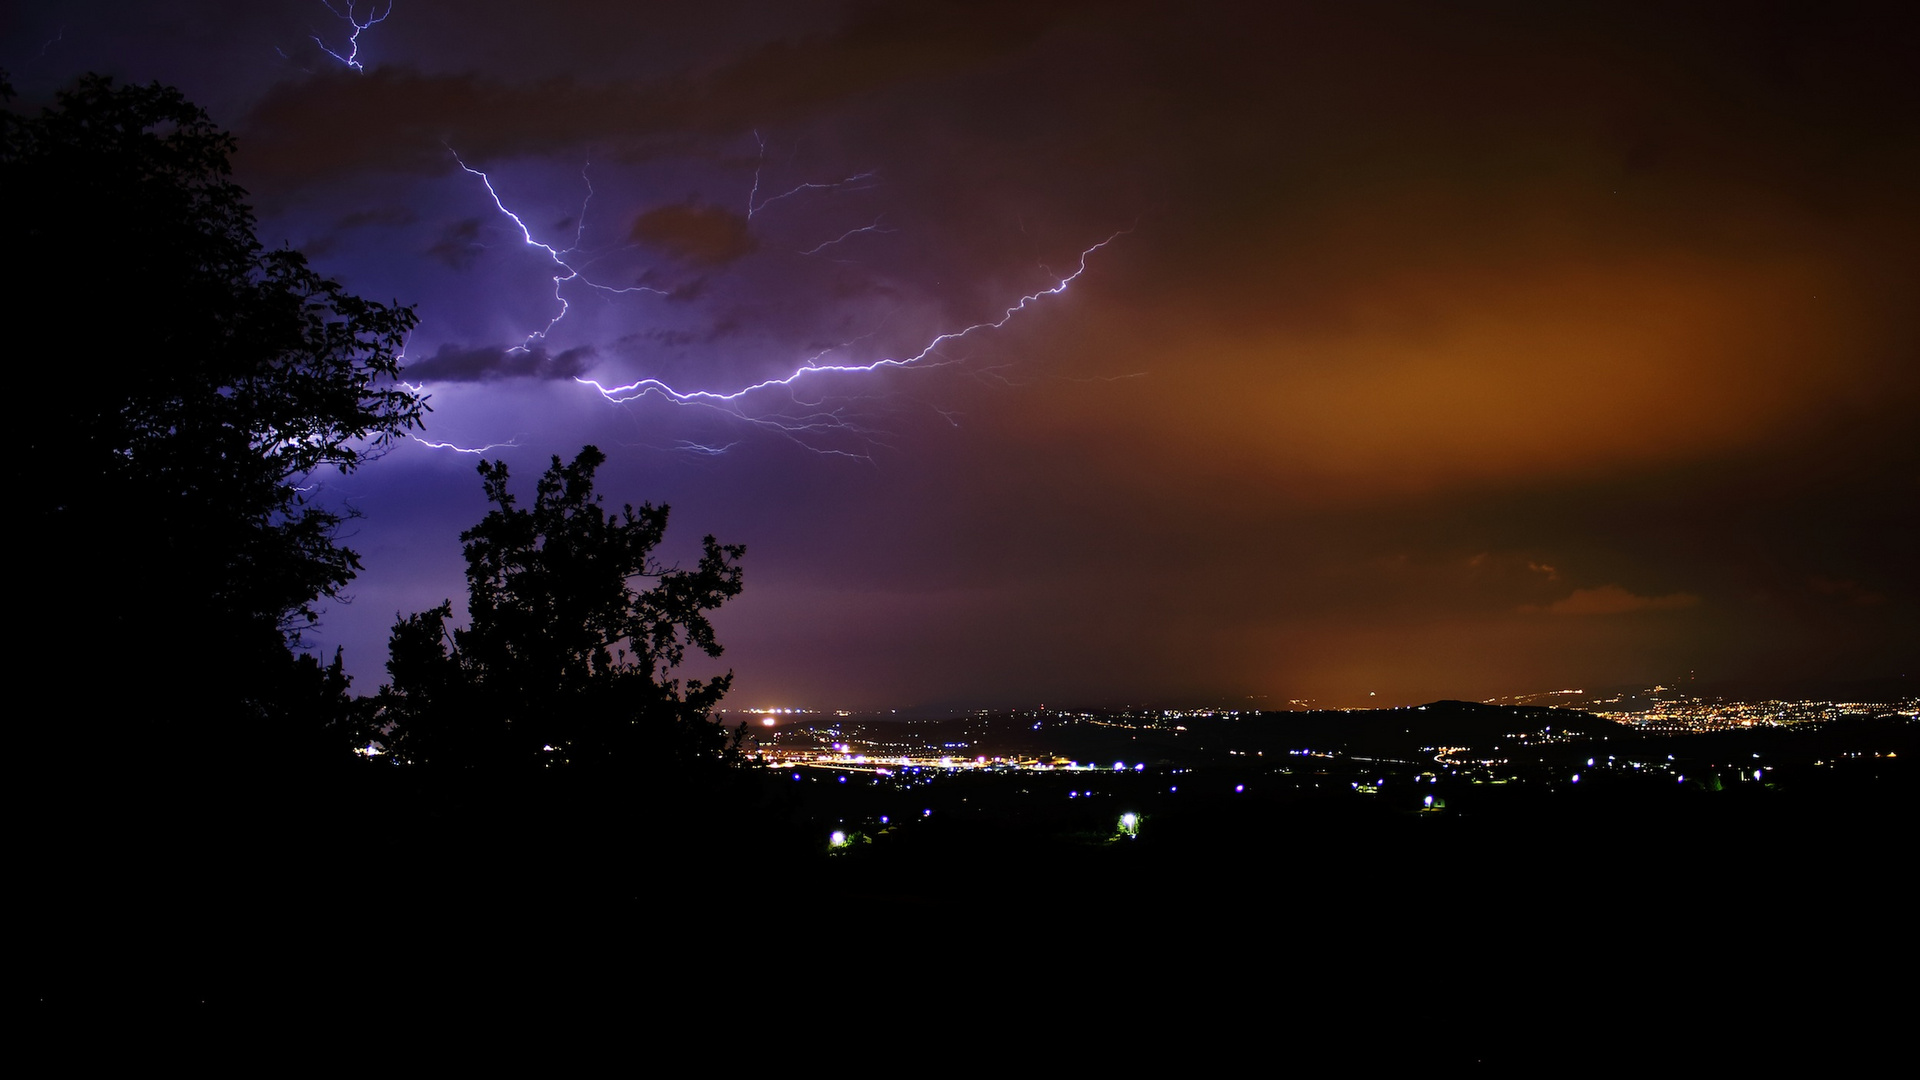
(760,163)
(755,203)
(421,389)
(925,357)
(814,419)
(828,186)
(565,271)
(466,449)
(876,227)
(352,59)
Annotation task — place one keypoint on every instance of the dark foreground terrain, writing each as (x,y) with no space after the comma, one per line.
(1256,908)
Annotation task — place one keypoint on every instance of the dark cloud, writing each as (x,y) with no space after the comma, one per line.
(491,363)
(701,236)
(459,244)
(392,117)
(380,217)
(1612,600)
(669,338)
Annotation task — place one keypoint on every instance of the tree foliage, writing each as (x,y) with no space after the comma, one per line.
(564,659)
(185,383)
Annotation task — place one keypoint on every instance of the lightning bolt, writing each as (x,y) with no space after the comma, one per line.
(791,192)
(352,59)
(466,449)
(812,429)
(564,270)
(926,356)
(849,234)
(755,203)
(814,419)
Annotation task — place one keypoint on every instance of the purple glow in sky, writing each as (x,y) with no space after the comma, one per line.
(1111,352)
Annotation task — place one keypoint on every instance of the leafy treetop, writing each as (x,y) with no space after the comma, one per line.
(182,372)
(565,660)
(185,383)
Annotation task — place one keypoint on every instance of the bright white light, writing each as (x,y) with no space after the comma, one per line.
(838,839)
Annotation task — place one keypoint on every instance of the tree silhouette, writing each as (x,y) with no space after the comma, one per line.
(179,385)
(564,662)
(185,383)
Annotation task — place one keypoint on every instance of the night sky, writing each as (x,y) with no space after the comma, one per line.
(1416,350)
